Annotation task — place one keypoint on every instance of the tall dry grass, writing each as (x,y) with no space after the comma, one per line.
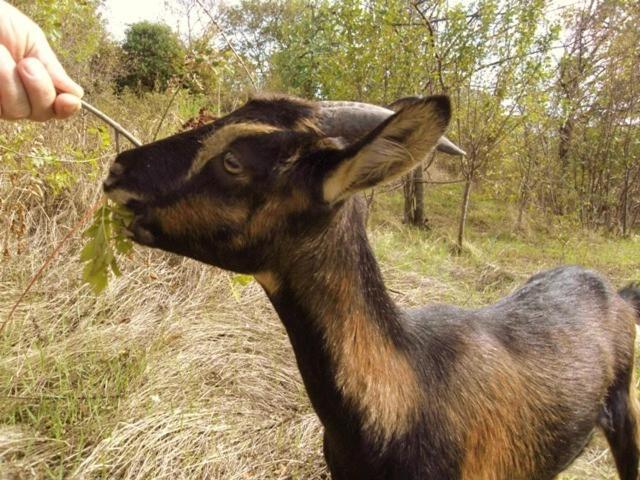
(167,374)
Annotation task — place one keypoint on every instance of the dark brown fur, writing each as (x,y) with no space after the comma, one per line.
(507,392)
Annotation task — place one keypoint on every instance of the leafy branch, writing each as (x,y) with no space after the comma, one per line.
(107,237)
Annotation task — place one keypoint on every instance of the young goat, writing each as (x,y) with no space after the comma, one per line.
(507,392)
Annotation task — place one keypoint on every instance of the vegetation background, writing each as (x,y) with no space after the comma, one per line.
(177,370)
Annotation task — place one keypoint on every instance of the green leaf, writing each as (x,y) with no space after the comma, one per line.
(242,280)
(123,245)
(106,240)
(115,269)
(237,283)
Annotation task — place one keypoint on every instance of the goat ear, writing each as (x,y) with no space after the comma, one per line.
(391,149)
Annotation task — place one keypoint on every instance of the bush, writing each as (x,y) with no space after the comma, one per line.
(153,55)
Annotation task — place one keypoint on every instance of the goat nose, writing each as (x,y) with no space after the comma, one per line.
(115,171)
(109,183)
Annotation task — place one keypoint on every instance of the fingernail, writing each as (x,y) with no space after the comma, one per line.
(67,109)
(75,89)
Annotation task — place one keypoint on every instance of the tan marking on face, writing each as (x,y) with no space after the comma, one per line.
(122,196)
(272,215)
(269,281)
(308,124)
(199,215)
(220,140)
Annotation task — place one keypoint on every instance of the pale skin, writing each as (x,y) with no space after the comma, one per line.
(33,83)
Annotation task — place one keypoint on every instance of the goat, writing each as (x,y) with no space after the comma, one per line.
(631,294)
(507,392)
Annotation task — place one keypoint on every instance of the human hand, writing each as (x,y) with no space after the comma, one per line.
(33,83)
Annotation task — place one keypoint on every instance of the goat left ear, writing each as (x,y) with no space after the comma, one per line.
(391,149)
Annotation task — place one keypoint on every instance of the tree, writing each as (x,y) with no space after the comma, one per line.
(153,55)
(597,97)
(556,134)
(486,56)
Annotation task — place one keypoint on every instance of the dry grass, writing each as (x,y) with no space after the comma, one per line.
(167,374)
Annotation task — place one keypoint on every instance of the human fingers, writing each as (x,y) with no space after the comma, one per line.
(13,97)
(66,105)
(61,80)
(39,87)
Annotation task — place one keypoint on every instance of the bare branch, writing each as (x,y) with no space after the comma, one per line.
(115,125)
(229,44)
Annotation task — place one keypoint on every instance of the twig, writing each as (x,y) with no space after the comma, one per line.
(434,46)
(116,126)
(50,259)
(226,39)
(437,182)
(120,130)
(166,112)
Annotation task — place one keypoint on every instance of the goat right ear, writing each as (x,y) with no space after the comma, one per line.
(391,149)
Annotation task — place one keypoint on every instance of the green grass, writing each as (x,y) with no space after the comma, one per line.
(496,258)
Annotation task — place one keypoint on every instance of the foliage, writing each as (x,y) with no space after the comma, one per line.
(106,238)
(597,98)
(153,55)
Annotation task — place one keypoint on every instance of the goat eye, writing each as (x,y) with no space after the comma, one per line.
(231,164)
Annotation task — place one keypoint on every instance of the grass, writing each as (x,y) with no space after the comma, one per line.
(170,375)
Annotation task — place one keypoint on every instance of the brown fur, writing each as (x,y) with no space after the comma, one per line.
(269,281)
(501,433)
(376,377)
(387,157)
(307,124)
(196,214)
(628,317)
(510,391)
(217,143)
(635,403)
(372,373)
(275,211)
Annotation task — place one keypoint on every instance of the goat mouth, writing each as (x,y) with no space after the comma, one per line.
(122,197)
(140,233)
(140,229)
(137,228)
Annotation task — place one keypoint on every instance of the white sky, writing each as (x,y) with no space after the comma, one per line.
(120,13)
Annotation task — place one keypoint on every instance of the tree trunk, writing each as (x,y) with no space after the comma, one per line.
(524,194)
(565,136)
(625,204)
(414,198)
(463,213)
(522,205)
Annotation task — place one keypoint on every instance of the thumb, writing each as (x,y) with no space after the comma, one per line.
(61,81)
